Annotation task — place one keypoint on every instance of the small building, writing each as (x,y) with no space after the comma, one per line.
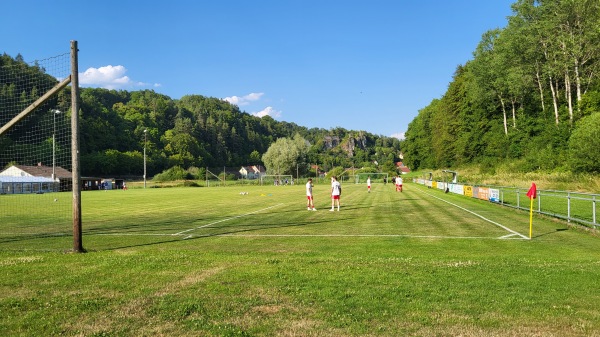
(35,179)
(91,183)
(252,172)
(403,169)
(107,184)
(315,168)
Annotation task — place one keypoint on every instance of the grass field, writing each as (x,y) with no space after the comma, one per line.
(214,262)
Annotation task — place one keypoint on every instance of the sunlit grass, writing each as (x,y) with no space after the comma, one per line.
(214,262)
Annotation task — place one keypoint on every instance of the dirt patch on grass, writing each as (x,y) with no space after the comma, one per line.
(189,280)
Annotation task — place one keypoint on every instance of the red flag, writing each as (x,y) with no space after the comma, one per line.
(532,193)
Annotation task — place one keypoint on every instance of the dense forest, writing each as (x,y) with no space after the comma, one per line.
(191,132)
(198,131)
(529,99)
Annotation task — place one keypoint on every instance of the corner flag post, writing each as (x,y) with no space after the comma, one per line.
(531,194)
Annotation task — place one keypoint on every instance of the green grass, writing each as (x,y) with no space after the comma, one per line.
(212,262)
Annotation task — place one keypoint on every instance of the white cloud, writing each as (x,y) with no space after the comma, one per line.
(268,111)
(399,135)
(109,77)
(244,100)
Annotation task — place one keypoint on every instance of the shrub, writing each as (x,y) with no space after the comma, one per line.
(172,174)
(584,144)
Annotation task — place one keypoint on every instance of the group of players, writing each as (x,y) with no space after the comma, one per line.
(336,192)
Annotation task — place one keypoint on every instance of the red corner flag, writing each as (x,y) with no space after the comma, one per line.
(532,193)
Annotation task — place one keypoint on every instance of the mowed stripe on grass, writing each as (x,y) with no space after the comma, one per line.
(224,211)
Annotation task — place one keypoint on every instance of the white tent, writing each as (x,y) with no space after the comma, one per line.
(26,184)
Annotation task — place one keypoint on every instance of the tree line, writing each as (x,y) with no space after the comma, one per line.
(191,132)
(529,99)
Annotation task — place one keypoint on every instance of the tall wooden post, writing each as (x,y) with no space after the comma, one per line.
(77,237)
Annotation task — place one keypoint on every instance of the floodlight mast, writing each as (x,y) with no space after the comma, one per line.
(145,138)
(54,113)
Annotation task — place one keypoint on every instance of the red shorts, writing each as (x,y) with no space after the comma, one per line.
(335,197)
(309,197)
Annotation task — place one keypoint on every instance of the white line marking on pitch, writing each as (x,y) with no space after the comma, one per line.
(189,236)
(227,219)
(363,235)
(482,217)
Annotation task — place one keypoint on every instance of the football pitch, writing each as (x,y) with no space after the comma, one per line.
(253,261)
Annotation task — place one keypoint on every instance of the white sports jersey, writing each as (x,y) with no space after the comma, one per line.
(308,189)
(335,188)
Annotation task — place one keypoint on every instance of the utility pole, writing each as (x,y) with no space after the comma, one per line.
(145,139)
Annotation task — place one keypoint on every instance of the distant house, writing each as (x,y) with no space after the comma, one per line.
(402,168)
(20,179)
(252,172)
(317,170)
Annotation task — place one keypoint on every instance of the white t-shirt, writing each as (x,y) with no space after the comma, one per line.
(335,188)
(368,181)
(308,189)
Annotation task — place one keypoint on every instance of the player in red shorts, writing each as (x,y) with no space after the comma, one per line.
(309,196)
(336,191)
(398,184)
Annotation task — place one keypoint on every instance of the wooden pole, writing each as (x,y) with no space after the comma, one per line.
(76,174)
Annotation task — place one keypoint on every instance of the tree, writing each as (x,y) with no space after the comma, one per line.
(584,144)
(254,158)
(282,156)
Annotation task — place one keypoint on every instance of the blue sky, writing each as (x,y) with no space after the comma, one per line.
(362,65)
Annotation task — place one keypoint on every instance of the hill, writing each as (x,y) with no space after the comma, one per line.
(194,131)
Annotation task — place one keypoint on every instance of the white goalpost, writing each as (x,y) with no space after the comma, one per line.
(277,179)
(376,177)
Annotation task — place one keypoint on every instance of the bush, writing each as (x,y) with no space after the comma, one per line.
(197,173)
(190,183)
(172,174)
(584,144)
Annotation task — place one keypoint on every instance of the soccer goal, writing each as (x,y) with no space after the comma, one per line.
(40,181)
(361,178)
(277,179)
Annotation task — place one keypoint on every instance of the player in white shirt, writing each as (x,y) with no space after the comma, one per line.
(398,184)
(309,196)
(369,184)
(336,191)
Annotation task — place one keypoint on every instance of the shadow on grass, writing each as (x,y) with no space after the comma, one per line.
(160,232)
(218,230)
(23,238)
(550,232)
(138,231)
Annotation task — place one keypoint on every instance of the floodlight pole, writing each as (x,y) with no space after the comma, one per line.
(145,138)
(54,113)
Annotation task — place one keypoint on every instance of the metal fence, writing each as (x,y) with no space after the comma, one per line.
(571,206)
